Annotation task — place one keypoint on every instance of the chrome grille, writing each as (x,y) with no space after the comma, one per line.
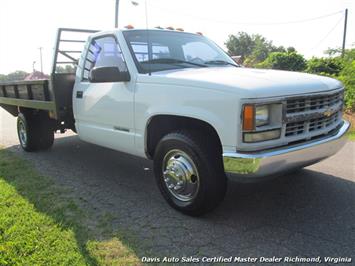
(293,129)
(299,128)
(304,104)
(324,122)
(311,116)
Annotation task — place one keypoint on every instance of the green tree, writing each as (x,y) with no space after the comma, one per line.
(16,75)
(284,61)
(241,44)
(66,69)
(261,50)
(252,48)
(290,50)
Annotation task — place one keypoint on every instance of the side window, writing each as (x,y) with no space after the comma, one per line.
(102,52)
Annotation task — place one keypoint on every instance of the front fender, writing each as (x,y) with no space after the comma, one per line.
(218,109)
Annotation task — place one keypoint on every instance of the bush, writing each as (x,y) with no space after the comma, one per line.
(339,68)
(253,48)
(324,66)
(347,76)
(284,61)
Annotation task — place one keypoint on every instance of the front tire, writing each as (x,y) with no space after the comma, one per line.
(35,131)
(189,172)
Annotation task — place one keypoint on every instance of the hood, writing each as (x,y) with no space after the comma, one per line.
(247,82)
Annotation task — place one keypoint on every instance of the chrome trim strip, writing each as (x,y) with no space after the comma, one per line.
(283,97)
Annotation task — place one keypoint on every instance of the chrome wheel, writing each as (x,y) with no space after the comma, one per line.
(22,133)
(180,175)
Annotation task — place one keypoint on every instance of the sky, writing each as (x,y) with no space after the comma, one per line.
(26,25)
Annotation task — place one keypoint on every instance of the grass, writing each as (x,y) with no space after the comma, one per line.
(351,118)
(106,252)
(243,166)
(351,134)
(40,223)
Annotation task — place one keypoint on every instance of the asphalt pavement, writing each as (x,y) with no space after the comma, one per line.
(308,213)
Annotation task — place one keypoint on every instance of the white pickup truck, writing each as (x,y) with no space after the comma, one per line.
(179,99)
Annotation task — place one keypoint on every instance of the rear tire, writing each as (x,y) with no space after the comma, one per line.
(35,131)
(189,172)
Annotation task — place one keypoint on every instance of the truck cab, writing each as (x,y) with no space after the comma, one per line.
(180,100)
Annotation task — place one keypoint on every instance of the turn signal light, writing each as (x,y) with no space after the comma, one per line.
(249,117)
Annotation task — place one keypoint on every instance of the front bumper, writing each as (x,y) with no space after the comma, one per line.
(257,165)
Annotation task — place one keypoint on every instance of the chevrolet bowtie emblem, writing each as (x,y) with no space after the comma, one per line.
(328,113)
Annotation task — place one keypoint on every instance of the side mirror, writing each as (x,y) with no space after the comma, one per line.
(108,74)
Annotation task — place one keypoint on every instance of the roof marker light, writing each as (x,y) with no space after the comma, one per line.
(129,27)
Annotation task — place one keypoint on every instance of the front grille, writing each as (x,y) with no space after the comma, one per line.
(310,116)
(293,129)
(304,104)
(312,125)
(323,122)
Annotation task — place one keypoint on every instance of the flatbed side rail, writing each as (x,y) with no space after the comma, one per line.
(28,93)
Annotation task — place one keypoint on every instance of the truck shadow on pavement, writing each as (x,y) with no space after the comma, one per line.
(307,213)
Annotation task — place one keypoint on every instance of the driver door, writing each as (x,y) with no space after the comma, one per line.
(104,110)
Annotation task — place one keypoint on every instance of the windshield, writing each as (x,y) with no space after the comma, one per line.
(174,50)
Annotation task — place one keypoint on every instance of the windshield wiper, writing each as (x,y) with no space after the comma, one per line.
(220,62)
(171,61)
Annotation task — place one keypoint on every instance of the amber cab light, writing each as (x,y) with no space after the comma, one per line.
(129,27)
(248,117)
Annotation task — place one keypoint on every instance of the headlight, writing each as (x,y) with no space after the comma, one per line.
(261,122)
(255,116)
(262,115)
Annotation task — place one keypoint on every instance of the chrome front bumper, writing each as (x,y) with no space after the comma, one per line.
(258,165)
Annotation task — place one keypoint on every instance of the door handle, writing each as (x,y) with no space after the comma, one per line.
(79,94)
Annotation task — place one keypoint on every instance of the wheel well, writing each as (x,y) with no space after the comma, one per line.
(26,111)
(31,112)
(161,125)
(10,108)
(42,114)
